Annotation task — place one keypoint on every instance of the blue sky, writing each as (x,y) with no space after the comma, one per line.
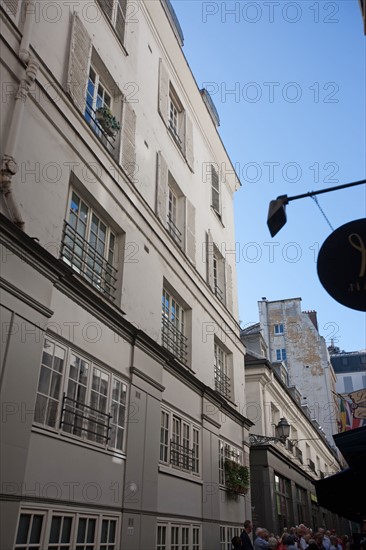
(294,122)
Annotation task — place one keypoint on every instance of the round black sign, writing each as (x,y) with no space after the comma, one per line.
(342,265)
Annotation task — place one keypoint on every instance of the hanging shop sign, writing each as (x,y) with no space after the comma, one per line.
(342,264)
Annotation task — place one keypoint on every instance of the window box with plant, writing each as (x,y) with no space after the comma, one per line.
(236,477)
(108,122)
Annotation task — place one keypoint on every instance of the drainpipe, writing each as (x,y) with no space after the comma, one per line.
(9,165)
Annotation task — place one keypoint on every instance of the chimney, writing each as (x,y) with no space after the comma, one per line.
(312,317)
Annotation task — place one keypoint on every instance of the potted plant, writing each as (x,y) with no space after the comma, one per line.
(236,477)
(108,122)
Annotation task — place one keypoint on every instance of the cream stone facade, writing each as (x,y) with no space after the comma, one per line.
(122,367)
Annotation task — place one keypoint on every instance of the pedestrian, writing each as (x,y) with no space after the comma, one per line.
(245,539)
(261,542)
(236,542)
(289,541)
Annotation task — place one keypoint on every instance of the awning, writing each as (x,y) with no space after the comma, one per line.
(344,493)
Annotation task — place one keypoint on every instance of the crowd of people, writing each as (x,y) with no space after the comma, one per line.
(295,538)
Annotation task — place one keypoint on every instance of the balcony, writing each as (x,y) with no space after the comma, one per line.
(298,454)
(222,383)
(181,456)
(311,465)
(219,294)
(174,340)
(174,232)
(84,421)
(107,137)
(87,261)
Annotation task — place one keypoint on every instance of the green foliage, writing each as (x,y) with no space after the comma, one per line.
(107,120)
(236,477)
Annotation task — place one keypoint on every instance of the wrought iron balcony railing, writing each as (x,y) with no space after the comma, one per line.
(175,134)
(174,340)
(219,293)
(222,383)
(87,261)
(311,465)
(174,231)
(298,453)
(106,139)
(181,456)
(84,421)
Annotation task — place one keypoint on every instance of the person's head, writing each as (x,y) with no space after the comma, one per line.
(248,526)
(236,542)
(318,538)
(302,530)
(312,545)
(272,543)
(333,540)
(327,532)
(289,540)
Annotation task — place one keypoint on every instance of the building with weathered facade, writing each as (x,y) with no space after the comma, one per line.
(292,336)
(122,373)
(285,471)
(350,369)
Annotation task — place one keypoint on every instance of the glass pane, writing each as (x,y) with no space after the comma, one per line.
(58,361)
(91,530)
(55,385)
(112,531)
(66,530)
(36,529)
(81,530)
(104,533)
(47,357)
(41,407)
(55,529)
(23,529)
(75,203)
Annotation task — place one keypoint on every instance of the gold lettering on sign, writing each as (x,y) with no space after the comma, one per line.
(359,245)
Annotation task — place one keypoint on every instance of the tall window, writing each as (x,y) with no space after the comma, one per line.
(218,275)
(176,118)
(348,384)
(173,216)
(57,530)
(301,504)
(281,354)
(283,502)
(93,405)
(115,10)
(179,442)
(229,452)
(215,191)
(173,337)
(228,532)
(97,96)
(278,329)
(222,378)
(89,246)
(178,536)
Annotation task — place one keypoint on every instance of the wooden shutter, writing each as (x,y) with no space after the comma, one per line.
(189,142)
(12,6)
(161,188)
(209,259)
(79,61)
(163,105)
(128,139)
(229,287)
(121,19)
(107,7)
(215,189)
(191,231)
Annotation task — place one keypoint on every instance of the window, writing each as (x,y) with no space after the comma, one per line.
(173,337)
(301,504)
(218,275)
(283,502)
(175,212)
(227,451)
(278,329)
(281,354)
(89,246)
(215,191)
(55,530)
(179,442)
(93,406)
(348,384)
(176,118)
(222,378)
(228,532)
(178,536)
(115,10)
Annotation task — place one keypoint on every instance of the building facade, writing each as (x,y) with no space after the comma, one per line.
(350,369)
(292,336)
(122,367)
(285,471)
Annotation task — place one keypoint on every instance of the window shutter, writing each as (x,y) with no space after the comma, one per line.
(229,287)
(161,188)
(209,259)
(215,189)
(11,6)
(107,7)
(189,143)
(79,61)
(128,139)
(191,231)
(121,19)
(163,92)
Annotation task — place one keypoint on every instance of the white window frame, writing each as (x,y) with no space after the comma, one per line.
(113,407)
(281,354)
(97,100)
(175,429)
(222,371)
(173,326)
(49,515)
(228,532)
(215,191)
(174,535)
(176,118)
(174,215)
(82,247)
(218,270)
(227,451)
(278,329)
(116,10)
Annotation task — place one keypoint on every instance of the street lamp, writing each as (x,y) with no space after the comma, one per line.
(277,211)
(282,433)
